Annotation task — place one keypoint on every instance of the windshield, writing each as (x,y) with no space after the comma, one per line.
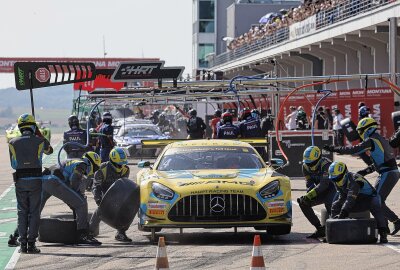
(139,132)
(205,158)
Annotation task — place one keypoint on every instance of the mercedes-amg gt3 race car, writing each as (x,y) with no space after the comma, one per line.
(213,184)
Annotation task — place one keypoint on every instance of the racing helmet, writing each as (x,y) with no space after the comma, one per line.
(73,121)
(26,121)
(312,155)
(218,113)
(156,113)
(93,160)
(227,117)
(366,127)
(337,172)
(118,157)
(193,112)
(363,111)
(246,112)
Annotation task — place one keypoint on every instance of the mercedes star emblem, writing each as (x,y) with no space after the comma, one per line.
(217,204)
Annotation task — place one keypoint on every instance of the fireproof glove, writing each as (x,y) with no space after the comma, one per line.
(304,200)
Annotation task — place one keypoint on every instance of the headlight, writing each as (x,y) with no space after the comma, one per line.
(162,192)
(270,190)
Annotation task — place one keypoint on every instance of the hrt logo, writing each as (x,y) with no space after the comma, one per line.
(136,70)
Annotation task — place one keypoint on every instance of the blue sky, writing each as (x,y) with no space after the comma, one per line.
(75,28)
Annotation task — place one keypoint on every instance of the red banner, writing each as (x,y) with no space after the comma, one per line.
(7,64)
(102,80)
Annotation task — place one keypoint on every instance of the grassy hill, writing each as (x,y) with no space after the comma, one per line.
(51,104)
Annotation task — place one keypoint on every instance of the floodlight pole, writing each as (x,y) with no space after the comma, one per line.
(31,93)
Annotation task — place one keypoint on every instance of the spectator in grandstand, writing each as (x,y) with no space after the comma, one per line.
(291,119)
(337,128)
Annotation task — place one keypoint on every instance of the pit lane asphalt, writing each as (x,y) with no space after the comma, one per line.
(201,248)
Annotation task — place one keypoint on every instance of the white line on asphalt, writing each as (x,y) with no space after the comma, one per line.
(7,220)
(5,192)
(393,247)
(13,261)
(317,213)
(2,234)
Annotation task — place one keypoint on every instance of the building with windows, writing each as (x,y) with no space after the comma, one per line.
(215,20)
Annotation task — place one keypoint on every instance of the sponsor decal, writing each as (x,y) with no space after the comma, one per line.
(302,28)
(156,206)
(273,204)
(249,183)
(216,191)
(156,212)
(276,210)
(21,76)
(42,75)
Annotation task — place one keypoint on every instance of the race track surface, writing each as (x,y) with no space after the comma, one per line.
(195,248)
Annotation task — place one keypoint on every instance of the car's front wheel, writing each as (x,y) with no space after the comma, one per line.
(279,230)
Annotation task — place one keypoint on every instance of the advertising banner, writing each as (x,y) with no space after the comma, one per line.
(302,28)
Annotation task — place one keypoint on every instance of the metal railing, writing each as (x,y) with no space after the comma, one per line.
(340,12)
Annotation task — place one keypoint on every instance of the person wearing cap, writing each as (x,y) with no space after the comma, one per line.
(227,130)
(355,194)
(215,122)
(319,189)
(383,162)
(76,135)
(26,152)
(195,126)
(106,138)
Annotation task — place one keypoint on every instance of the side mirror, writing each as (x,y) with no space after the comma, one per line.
(144,164)
(276,163)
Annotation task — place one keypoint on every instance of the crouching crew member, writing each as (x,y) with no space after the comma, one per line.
(320,189)
(383,159)
(108,173)
(26,154)
(67,184)
(356,194)
(227,130)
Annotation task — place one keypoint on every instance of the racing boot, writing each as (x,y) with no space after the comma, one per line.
(319,232)
(23,248)
(32,248)
(13,241)
(396,227)
(383,235)
(86,239)
(121,236)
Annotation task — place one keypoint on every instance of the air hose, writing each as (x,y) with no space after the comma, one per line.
(328,92)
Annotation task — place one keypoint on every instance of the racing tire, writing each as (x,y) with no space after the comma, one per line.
(279,229)
(351,231)
(355,215)
(66,216)
(57,230)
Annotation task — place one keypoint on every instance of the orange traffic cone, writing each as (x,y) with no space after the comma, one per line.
(257,259)
(162,259)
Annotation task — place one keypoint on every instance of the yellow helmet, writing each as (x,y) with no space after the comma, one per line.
(366,127)
(93,160)
(337,172)
(26,121)
(118,156)
(312,155)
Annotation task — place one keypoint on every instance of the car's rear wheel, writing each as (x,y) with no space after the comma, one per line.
(279,230)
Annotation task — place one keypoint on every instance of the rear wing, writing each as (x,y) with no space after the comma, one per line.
(255,142)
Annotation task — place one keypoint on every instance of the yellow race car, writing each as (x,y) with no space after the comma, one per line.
(13,131)
(211,184)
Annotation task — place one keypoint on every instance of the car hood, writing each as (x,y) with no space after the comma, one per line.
(223,179)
